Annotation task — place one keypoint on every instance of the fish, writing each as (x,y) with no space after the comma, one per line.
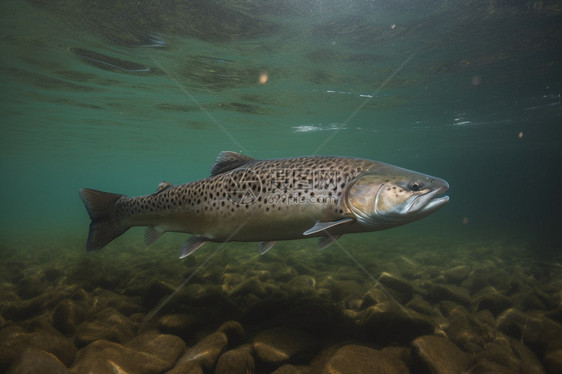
(266,201)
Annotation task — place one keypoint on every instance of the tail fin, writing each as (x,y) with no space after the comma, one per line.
(104,226)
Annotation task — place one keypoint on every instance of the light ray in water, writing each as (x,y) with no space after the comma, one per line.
(201,107)
(358,109)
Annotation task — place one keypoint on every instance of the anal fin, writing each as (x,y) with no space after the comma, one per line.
(266,246)
(151,234)
(191,245)
(321,226)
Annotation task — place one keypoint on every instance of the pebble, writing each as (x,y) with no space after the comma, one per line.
(35,360)
(14,341)
(346,289)
(234,332)
(155,292)
(387,323)
(466,331)
(457,274)
(102,357)
(438,355)
(440,292)
(168,348)
(489,298)
(177,323)
(67,316)
(109,325)
(302,285)
(236,361)
(203,354)
(251,285)
(292,369)
(280,345)
(356,359)
(400,288)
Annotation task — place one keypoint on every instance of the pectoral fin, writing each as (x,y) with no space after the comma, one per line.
(191,245)
(266,246)
(320,226)
(326,241)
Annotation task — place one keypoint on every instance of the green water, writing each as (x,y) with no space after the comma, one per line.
(466,91)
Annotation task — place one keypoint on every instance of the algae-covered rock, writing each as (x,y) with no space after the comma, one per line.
(281,344)
(439,356)
(204,354)
(166,347)
(102,356)
(236,361)
(356,359)
(35,360)
(386,323)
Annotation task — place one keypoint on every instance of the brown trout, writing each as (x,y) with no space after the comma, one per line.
(267,201)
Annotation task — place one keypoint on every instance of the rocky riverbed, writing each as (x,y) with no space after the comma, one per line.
(410,306)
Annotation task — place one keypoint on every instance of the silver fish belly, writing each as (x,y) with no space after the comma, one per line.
(270,200)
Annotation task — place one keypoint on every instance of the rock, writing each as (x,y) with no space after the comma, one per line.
(398,287)
(346,289)
(109,325)
(281,344)
(31,286)
(553,361)
(177,324)
(476,280)
(203,354)
(489,298)
(356,359)
(530,299)
(166,347)
(250,286)
(102,356)
(234,331)
(302,285)
(539,333)
(440,292)
(14,341)
(486,317)
(123,304)
(236,361)
(279,272)
(374,296)
(467,332)
(156,291)
(387,323)
(419,305)
(34,360)
(457,274)
(292,369)
(505,354)
(310,316)
(438,355)
(67,316)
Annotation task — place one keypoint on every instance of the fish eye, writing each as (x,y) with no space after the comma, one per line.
(415,186)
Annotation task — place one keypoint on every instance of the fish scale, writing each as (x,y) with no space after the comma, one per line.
(266,201)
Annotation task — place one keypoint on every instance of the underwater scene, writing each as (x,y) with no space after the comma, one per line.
(288,187)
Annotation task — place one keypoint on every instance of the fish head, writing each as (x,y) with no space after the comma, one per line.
(387,196)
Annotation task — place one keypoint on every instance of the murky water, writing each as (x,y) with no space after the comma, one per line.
(119,96)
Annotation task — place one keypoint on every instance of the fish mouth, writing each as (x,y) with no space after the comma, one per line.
(428,203)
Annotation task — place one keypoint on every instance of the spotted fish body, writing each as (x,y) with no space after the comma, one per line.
(270,200)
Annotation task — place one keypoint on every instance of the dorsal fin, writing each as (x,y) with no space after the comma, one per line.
(163,186)
(228,160)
